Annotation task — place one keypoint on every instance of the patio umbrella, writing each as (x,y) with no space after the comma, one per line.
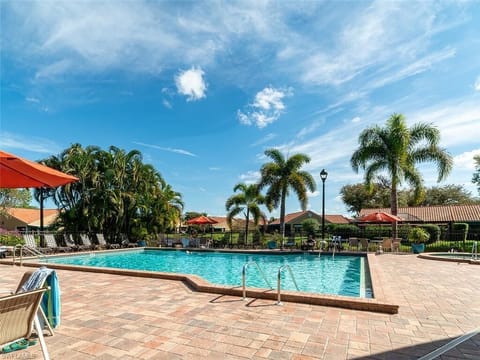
(201,220)
(379,217)
(16,172)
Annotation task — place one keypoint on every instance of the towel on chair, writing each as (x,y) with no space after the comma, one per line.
(51,299)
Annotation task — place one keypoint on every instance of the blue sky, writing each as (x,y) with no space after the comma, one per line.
(203,88)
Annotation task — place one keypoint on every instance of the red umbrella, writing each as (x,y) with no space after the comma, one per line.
(16,172)
(379,217)
(201,220)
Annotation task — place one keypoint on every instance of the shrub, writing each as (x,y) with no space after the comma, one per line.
(461,231)
(310,226)
(418,235)
(433,230)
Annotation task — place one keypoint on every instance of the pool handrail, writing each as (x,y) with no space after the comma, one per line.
(279,280)
(244,276)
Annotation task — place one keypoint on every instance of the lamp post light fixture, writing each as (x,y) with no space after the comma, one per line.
(323,176)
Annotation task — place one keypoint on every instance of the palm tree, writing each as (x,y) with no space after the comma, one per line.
(283,175)
(396,149)
(246,201)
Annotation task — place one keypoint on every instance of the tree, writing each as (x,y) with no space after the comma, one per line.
(282,176)
(476,174)
(358,197)
(247,200)
(396,149)
(447,195)
(14,198)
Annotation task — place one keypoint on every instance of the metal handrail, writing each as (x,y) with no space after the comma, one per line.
(475,251)
(279,278)
(244,275)
(32,251)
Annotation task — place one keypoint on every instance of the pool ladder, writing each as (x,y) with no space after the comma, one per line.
(279,279)
(28,249)
(244,277)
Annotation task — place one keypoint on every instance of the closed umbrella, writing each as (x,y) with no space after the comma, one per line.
(17,172)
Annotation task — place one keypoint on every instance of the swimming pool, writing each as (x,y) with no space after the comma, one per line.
(326,274)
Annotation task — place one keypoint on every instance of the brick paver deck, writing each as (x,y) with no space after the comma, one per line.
(110,317)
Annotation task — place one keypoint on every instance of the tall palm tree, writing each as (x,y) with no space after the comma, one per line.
(283,175)
(246,201)
(396,149)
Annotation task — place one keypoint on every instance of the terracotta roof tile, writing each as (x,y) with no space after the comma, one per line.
(445,213)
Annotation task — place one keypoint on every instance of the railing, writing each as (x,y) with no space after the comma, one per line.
(279,280)
(32,251)
(244,276)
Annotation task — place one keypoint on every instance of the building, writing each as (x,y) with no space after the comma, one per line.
(439,215)
(22,219)
(293,221)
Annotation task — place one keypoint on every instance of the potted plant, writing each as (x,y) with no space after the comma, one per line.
(418,236)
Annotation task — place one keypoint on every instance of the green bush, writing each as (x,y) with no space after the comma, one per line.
(310,226)
(344,230)
(460,231)
(418,235)
(433,230)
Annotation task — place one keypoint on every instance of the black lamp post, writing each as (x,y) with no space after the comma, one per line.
(323,176)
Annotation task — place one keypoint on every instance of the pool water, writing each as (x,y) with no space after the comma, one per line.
(325,274)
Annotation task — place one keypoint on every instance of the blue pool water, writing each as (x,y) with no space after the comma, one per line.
(325,274)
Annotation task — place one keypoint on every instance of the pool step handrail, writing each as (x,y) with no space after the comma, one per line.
(244,276)
(279,281)
(27,249)
(475,250)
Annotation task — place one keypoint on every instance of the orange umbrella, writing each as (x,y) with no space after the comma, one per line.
(201,220)
(379,217)
(16,172)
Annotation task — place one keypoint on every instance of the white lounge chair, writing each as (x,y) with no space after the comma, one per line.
(52,244)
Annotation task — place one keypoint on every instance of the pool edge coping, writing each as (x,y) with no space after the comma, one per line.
(377,304)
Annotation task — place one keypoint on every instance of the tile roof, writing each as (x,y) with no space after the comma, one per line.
(445,213)
(334,219)
(32,216)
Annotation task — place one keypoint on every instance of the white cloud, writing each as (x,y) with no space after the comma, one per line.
(465,160)
(356,119)
(34,144)
(169,149)
(266,108)
(477,84)
(191,84)
(264,139)
(251,177)
(32,99)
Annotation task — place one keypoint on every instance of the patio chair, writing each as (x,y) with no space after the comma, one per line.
(18,317)
(103,243)
(126,241)
(70,242)
(364,244)
(52,244)
(87,242)
(396,245)
(387,244)
(32,244)
(353,243)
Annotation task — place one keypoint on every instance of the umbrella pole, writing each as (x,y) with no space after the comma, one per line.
(41,217)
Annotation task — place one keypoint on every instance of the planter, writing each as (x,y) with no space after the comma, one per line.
(418,248)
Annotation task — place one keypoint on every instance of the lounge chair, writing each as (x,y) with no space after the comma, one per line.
(18,317)
(87,243)
(52,244)
(32,244)
(103,243)
(70,242)
(126,241)
(291,244)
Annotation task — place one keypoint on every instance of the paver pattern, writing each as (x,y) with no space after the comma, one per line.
(118,317)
